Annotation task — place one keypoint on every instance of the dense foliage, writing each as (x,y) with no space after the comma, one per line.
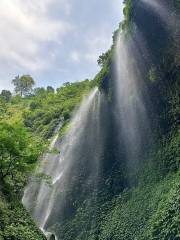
(16,153)
(26,125)
(47,108)
(15,222)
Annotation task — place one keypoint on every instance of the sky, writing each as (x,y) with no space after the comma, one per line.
(55,41)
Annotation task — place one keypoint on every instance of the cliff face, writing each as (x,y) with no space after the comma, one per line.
(139,202)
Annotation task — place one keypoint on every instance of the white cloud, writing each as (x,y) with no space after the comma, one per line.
(93,46)
(75,56)
(118,6)
(54,39)
(67,7)
(25,27)
(96,43)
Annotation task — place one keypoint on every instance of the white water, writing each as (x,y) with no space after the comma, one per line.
(132,118)
(39,198)
(159,7)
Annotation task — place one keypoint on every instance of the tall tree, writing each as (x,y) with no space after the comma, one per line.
(23,85)
(50,89)
(40,91)
(6,95)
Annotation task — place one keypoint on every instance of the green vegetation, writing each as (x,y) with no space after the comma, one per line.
(15,222)
(23,85)
(16,152)
(146,208)
(127,14)
(5,95)
(142,212)
(46,108)
(27,122)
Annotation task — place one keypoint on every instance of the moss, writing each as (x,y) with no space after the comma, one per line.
(127,14)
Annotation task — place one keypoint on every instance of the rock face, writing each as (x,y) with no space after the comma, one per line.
(147,112)
(52,237)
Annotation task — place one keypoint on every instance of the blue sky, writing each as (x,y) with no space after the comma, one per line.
(55,41)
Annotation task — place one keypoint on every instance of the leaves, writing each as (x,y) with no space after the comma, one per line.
(23,85)
(17,153)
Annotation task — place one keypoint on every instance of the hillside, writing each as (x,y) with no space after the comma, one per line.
(32,119)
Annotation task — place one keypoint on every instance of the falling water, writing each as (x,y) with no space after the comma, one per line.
(40,198)
(130,59)
(131,113)
(162,9)
(79,151)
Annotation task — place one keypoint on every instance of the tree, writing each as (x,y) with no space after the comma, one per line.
(3,108)
(23,85)
(66,84)
(15,154)
(6,95)
(50,89)
(40,91)
(103,58)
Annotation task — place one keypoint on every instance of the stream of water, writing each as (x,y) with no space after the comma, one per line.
(40,197)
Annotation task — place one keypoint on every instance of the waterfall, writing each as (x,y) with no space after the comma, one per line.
(104,148)
(132,60)
(163,11)
(131,115)
(41,198)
